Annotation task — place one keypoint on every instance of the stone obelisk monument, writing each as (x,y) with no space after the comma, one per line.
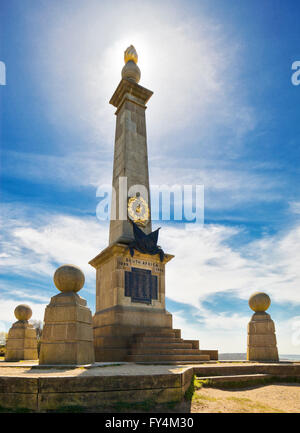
(131,322)
(130,170)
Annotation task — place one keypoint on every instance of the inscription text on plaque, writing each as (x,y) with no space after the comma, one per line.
(141,285)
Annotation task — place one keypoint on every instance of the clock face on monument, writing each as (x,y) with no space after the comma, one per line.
(138,210)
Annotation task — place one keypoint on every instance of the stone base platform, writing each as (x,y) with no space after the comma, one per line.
(105,385)
(131,323)
(147,344)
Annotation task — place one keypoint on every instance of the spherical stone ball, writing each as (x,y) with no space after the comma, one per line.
(259,302)
(68,278)
(131,71)
(23,312)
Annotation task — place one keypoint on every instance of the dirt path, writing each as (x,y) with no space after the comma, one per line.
(271,398)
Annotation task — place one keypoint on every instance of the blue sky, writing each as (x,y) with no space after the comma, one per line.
(224,114)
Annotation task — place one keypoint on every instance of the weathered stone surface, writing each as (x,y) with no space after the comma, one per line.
(259,302)
(18,400)
(108,383)
(213,354)
(130,155)
(262,340)
(81,352)
(261,327)
(68,278)
(11,384)
(23,312)
(108,398)
(262,345)
(131,71)
(264,368)
(67,334)
(21,342)
(262,353)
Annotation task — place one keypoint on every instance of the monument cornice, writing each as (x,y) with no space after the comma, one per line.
(130,88)
(121,249)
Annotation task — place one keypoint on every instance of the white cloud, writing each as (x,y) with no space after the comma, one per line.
(215,332)
(295,207)
(59,239)
(207,264)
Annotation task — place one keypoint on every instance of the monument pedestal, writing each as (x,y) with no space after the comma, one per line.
(21,342)
(131,322)
(130,299)
(67,334)
(262,344)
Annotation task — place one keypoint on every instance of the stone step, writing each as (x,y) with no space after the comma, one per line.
(163,332)
(154,357)
(195,343)
(213,354)
(155,339)
(163,351)
(159,346)
(156,335)
(177,332)
(214,380)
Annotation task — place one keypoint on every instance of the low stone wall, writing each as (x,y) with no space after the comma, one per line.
(226,370)
(42,393)
(52,393)
(18,392)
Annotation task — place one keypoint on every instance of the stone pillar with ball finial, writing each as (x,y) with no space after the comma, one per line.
(262,344)
(67,336)
(22,340)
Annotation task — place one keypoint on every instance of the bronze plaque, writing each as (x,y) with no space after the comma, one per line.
(141,285)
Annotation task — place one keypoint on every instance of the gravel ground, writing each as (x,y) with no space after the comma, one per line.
(271,398)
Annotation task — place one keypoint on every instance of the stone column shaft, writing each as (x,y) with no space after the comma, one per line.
(130,153)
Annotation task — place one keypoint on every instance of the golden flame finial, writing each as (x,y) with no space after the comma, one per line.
(130,54)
